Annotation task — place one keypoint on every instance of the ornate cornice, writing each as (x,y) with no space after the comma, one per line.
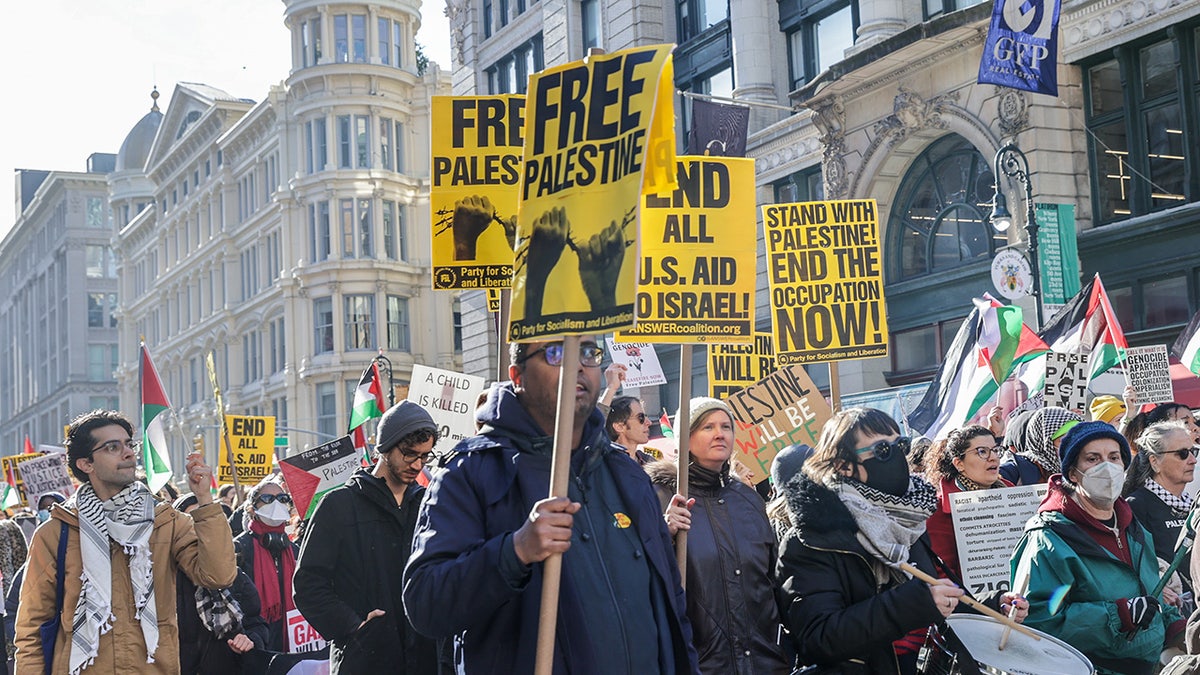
(1094,27)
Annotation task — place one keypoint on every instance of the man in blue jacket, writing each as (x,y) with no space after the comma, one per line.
(486,525)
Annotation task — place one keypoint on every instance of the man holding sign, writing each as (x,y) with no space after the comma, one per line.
(486,528)
(347,581)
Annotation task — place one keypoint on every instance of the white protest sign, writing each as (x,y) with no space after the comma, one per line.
(1066,381)
(46,474)
(302,637)
(1149,372)
(987,527)
(642,368)
(312,473)
(449,398)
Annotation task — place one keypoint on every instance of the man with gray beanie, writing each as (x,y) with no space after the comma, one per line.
(347,581)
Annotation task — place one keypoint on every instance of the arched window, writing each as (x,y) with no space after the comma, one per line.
(939,219)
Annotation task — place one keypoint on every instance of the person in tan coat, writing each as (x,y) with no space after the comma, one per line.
(127,547)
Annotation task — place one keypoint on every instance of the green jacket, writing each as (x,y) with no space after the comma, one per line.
(1058,554)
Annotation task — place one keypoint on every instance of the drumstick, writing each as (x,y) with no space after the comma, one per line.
(983,609)
(1024,586)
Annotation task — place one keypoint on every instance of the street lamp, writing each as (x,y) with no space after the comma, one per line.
(1011,162)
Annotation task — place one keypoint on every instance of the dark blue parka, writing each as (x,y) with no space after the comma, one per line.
(456,584)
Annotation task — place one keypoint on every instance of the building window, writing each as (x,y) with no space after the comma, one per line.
(397,324)
(358,25)
(510,73)
(818,34)
(95,311)
(100,263)
(394,247)
(278,345)
(346,226)
(713,83)
(327,411)
(360,321)
(918,351)
(1141,120)
(102,362)
(353,142)
(323,325)
(487,18)
(343,141)
(935,8)
(318,218)
(362,141)
(251,357)
(366,230)
(589,14)
(341,37)
(390,52)
(939,220)
(503,13)
(695,16)
(95,212)
(399,145)
(802,186)
(385,143)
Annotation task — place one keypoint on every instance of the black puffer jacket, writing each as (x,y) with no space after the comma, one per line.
(837,618)
(730,573)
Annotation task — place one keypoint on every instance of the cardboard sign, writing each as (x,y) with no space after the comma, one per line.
(988,524)
(732,368)
(449,398)
(1066,381)
(696,277)
(826,278)
(1149,372)
(642,368)
(599,135)
(476,166)
(302,637)
(312,473)
(253,442)
(47,473)
(782,409)
(9,464)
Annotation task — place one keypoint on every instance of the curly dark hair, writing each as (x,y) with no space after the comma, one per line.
(940,466)
(79,439)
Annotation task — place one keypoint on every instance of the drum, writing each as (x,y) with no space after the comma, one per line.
(972,646)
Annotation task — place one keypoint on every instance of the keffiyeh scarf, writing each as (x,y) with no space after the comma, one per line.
(1039,446)
(219,612)
(1180,505)
(888,525)
(128,519)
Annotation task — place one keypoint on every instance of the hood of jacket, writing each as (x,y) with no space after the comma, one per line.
(665,473)
(504,415)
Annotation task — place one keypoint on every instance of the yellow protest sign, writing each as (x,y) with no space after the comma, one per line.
(732,368)
(826,280)
(493,300)
(696,277)
(599,134)
(782,409)
(12,473)
(475,169)
(253,442)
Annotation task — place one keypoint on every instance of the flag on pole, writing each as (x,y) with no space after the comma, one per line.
(11,496)
(368,398)
(359,438)
(991,342)
(154,434)
(1088,325)
(29,446)
(1187,345)
(665,423)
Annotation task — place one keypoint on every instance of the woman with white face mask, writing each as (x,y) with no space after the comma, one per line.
(1091,566)
(266,554)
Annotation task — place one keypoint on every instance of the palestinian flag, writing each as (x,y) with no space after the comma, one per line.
(359,438)
(992,340)
(11,496)
(1088,325)
(154,433)
(1187,345)
(29,447)
(665,423)
(368,398)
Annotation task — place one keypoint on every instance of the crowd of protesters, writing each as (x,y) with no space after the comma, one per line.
(850,565)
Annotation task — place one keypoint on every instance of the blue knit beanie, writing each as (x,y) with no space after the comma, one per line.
(1086,432)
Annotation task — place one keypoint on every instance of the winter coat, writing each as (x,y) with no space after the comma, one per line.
(1057,553)
(731,553)
(199,544)
(351,562)
(1164,524)
(460,579)
(200,651)
(838,619)
(276,631)
(940,526)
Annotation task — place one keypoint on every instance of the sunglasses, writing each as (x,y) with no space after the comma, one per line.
(985,453)
(590,355)
(282,498)
(113,447)
(1184,453)
(640,417)
(883,450)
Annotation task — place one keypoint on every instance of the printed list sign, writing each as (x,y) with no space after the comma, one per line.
(1149,372)
(988,524)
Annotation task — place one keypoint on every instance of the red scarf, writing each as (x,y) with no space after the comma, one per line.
(266,576)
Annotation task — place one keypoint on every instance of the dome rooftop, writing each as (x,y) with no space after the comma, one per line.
(136,148)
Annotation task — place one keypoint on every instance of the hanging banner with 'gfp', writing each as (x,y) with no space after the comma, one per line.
(1021,51)
(599,135)
(826,279)
(475,170)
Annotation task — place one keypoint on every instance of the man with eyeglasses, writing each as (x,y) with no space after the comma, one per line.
(628,426)
(122,549)
(347,581)
(486,527)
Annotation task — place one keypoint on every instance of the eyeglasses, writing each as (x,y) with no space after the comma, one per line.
(412,457)
(985,453)
(590,355)
(282,498)
(113,447)
(1183,453)
(883,450)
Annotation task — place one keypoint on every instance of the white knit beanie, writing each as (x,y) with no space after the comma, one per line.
(697,409)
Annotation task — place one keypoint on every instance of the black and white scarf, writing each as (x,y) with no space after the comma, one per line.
(1180,505)
(219,612)
(888,525)
(1039,446)
(128,519)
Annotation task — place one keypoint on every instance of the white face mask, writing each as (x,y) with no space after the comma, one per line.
(1102,483)
(273,514)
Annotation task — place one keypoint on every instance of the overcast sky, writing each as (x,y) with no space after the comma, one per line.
(77,74)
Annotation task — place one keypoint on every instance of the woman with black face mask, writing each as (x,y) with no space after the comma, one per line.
(858,515)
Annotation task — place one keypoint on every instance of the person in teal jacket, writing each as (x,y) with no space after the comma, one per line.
(1091,565)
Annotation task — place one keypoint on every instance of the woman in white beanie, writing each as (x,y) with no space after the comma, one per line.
(731,550)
